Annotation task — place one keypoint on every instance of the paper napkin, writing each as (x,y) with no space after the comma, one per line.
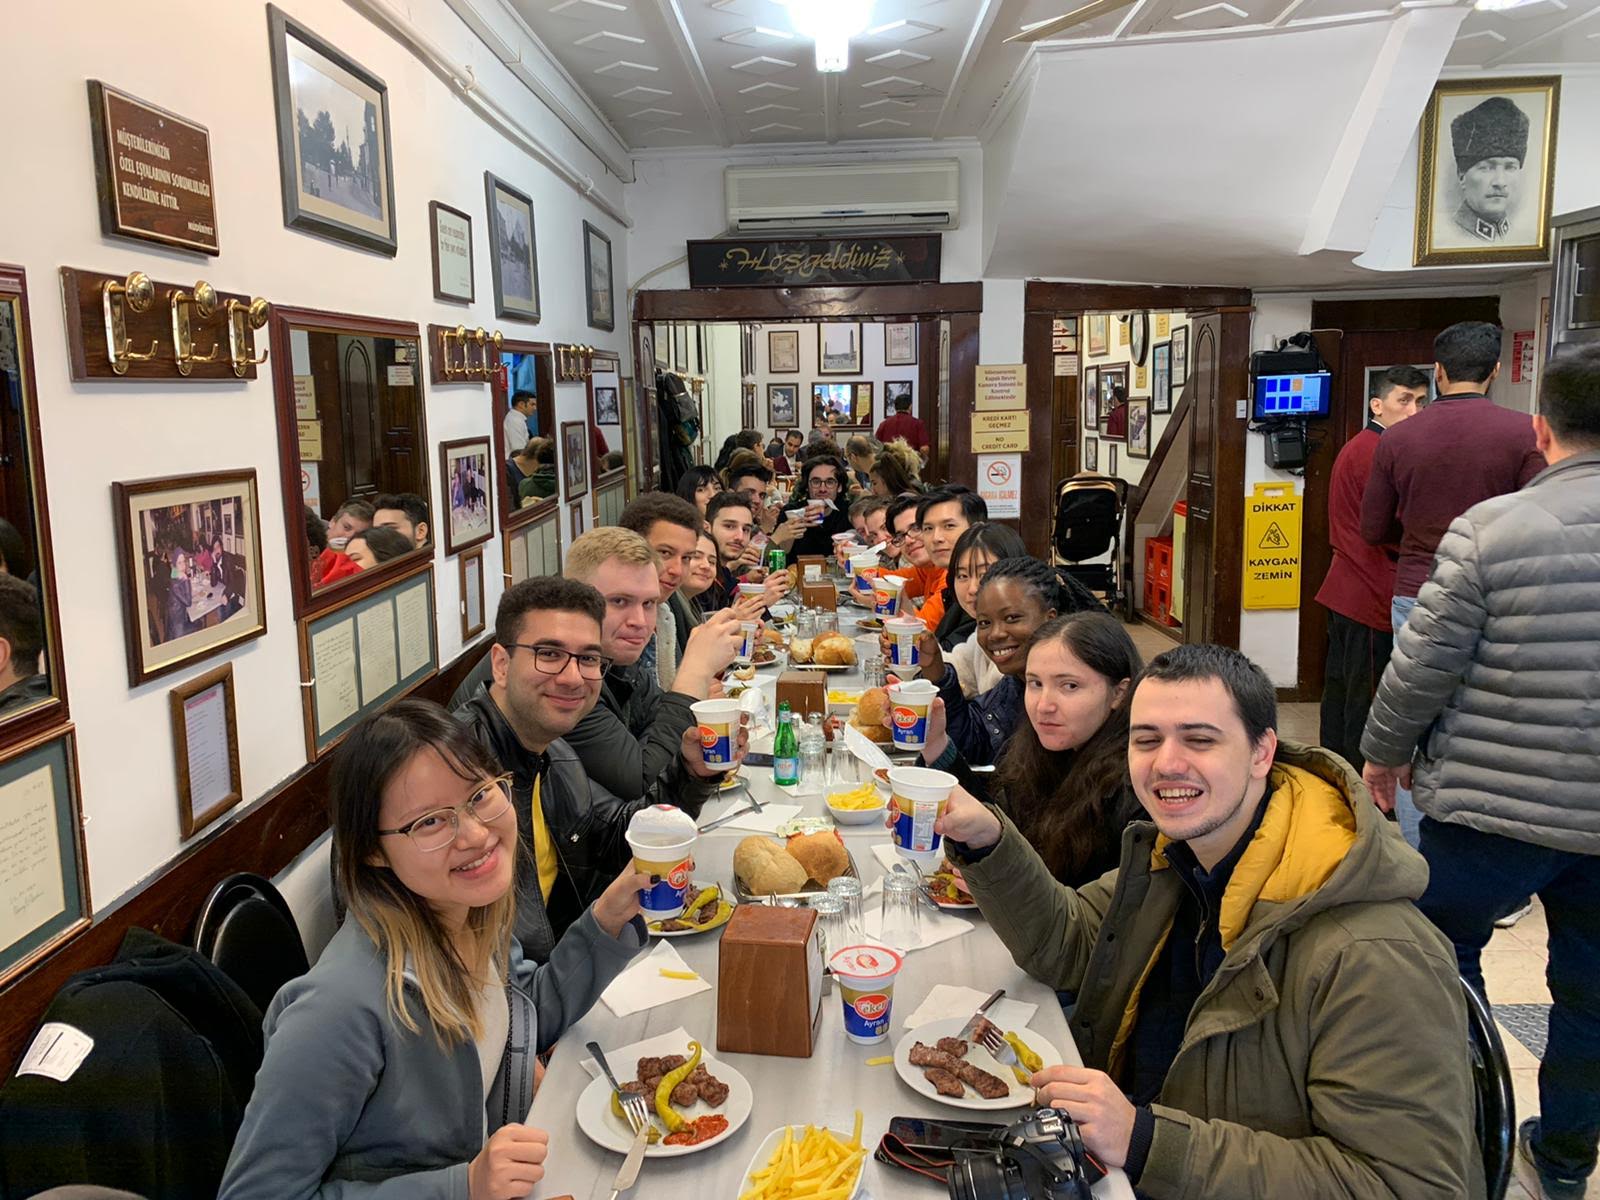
(624,1060)
(946,1001)
(643,985)
(767,820)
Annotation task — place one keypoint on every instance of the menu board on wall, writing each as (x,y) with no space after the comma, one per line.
(364,654)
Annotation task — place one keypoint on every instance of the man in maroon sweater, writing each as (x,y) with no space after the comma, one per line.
(1461,449)
(1360,581)
(904,425)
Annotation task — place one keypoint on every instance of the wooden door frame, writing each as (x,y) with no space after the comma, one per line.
(925,303)
(1042,302)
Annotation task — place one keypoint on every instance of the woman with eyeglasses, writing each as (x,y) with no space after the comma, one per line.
(403,1062)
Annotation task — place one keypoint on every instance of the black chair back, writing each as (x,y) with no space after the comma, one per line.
(247,930)
(1496,1114)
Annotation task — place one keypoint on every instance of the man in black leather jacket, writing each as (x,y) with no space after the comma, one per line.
(546,675)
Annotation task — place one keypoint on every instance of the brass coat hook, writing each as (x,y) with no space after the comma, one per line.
(203,300)
(138,294)
(242,318)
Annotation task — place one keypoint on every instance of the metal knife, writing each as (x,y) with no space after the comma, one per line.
(629,1171)
(971,1026)
(723,820)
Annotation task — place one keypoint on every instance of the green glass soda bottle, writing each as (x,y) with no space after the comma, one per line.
(785,750)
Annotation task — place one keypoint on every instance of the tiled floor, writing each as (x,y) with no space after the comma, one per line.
(1513,962)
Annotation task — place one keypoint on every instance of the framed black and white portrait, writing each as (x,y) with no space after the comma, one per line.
(513,251)
(1486,171)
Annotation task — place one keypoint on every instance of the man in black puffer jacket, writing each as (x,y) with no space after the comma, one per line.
(1499,666)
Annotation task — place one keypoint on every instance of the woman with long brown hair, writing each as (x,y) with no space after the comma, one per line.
(895,471)
(1062,777)
(408,1050)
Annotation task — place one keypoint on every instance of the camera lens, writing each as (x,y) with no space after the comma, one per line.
(985,1177)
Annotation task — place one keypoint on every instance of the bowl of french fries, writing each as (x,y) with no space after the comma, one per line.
(859,805)
(806,1163)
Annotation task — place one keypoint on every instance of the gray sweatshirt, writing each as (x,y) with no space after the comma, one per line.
(348,1104)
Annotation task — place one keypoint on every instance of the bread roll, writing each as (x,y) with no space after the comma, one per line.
(833,650)
(821,856)
(765,866)
(772,636)
(870,712)
(800,650)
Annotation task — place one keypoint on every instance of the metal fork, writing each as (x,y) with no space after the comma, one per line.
(633,1105)
(991,1039)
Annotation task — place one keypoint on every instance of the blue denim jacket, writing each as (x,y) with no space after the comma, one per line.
(349,1105)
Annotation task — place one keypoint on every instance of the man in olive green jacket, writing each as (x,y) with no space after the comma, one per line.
(1261,1009)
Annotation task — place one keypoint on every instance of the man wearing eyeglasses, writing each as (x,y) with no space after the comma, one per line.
(547,669)
(822,479)
(634,734)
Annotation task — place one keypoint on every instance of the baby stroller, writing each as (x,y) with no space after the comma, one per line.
(1089,515)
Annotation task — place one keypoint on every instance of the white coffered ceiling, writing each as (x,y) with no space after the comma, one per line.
(669,73)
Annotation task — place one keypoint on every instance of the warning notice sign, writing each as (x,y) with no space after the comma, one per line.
(1272,547)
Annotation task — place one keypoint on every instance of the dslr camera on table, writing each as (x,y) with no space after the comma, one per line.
(1040,1157)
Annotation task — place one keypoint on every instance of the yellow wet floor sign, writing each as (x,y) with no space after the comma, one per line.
(1272,547)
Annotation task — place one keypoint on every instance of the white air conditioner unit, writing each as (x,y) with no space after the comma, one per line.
(876,195)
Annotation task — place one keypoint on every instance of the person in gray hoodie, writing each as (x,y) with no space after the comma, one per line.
(402,1065)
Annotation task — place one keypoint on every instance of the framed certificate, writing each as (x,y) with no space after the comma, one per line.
(472,619)
(44,877)
(205,743)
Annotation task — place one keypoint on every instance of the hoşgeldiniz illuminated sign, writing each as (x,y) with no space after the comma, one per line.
(813,262)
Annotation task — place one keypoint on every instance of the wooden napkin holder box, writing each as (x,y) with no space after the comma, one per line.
(820,595)
(769,982)
(805,691)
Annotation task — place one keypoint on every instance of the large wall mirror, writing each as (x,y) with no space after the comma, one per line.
(353,444)
(524,391)
(32,690)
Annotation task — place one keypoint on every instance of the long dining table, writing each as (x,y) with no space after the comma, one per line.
(825,1089)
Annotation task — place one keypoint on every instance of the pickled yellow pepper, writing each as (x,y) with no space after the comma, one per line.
(669,1116)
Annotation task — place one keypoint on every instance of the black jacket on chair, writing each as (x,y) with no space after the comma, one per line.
(155,1105)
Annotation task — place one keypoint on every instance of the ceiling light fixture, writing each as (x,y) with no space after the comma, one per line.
(1501,5)
(831,24)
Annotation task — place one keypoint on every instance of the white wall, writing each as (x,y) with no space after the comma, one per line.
(872,371)
(210,63)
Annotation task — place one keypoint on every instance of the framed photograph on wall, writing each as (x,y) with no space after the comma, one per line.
(783,351)
(1139,428)
(205,743)
(680,349)
(1091,454)
(1161,377)
(607,409)
(839,348)
(189,554)
(893,389)
(1486,171)
(44,891)
(513,250)
(575,458)
(900,344)
(783,405)
(334,151)
(464,476)
(597,278)
(472,618)
(1099,333)
(1091,398)
(1113,415)
(1180,357)
(451,233)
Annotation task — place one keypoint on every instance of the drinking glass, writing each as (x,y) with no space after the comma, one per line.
(813,756)
(901,927)
(846,889)
(805,624)
(827,622)
(832,925)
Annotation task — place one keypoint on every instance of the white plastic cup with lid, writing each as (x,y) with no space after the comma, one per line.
(719,732)
(903,633)
(752,589)
(863,568)
(662,839)
(909,703)
(919,796)
(747,641)
(865,975)
(886,593)
(795,514)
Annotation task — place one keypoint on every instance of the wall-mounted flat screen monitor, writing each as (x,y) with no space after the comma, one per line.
(1298,395)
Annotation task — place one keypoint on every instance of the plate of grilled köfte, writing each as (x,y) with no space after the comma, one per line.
(704,908)
(935,1064)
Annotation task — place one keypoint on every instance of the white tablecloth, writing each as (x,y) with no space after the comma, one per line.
(824,1089)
